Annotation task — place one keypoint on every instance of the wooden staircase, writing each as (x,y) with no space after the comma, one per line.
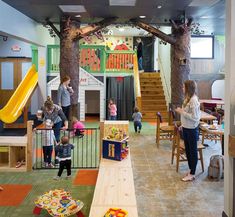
(152,96)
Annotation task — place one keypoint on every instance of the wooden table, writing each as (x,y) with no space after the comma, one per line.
(212,134)
(217,102)
(207,117)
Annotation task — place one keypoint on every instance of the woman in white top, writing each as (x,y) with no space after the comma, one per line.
(190,118)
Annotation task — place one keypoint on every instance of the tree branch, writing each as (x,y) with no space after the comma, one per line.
(87,30)
(57,32)
(154,31)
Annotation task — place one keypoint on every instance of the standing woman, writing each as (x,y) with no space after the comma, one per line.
(64,93)
(54,113)
(190,118)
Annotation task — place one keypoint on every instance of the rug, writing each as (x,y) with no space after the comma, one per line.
(152,124)
(86,177)
(13,195)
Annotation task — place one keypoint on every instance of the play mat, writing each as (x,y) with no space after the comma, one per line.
(59,203)
(116,212)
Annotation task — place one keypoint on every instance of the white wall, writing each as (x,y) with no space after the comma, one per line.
(229,106)
(5,48)
(155,58)
(164,62)
(14,23)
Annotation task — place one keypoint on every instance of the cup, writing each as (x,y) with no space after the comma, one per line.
(39,114)
(215,123)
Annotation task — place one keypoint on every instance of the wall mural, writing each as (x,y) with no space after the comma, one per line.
(111,42)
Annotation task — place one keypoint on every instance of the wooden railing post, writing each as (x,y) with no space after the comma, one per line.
(29,146)
(101,137)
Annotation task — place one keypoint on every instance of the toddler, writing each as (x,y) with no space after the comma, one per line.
(112,110)
(78,128)
(64,152)
(48,140)
(137,116)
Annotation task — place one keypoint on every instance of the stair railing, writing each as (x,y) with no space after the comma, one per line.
(137,83)
(166,87)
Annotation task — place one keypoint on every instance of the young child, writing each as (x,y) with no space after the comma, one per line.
(137,116)
(112,110)
(64,150)
(48,140)
(78,128)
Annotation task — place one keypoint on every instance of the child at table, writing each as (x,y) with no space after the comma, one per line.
(64,152)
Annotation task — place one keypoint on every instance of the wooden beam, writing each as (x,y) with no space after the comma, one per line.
(57,32)
(87,30)
(169,39)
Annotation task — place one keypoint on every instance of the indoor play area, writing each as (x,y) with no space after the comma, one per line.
(88,99)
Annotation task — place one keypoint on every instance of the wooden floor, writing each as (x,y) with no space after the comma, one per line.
(114,188)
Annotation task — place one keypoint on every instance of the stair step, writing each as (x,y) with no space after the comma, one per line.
(151,88)
(152,97)
(153,107)
(149,75)
(149,79)
(154,113)
(152,92)
(151,84)
(153,101)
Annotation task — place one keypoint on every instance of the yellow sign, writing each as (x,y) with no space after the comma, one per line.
(42,62)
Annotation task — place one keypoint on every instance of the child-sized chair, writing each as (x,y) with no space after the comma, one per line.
(164,131)
(178,149)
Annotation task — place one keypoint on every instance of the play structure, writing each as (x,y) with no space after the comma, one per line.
(87,83)
(58,203)
(17,104)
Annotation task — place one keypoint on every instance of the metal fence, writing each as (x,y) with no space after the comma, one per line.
(86,152)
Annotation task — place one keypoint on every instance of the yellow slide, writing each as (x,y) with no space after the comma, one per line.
(14,108)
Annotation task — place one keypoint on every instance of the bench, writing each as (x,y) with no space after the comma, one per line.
(114,188)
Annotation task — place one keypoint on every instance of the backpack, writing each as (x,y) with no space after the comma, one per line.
(216,167)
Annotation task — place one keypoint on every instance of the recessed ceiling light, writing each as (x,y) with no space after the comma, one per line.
(72,8)
(159,6)
(122,2)
(121,29)
(142,16)
(78,15)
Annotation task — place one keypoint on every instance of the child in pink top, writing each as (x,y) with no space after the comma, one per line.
(78,127)
(112,110)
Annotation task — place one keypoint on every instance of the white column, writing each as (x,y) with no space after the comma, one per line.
(229,113)
(42,75)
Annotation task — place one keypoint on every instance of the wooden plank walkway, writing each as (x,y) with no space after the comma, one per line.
(114,188)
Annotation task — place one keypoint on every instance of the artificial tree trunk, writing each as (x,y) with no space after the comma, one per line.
(180,55)
(69,34)
(69,58)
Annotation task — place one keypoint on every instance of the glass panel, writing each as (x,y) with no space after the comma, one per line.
(25,67)
(7,70)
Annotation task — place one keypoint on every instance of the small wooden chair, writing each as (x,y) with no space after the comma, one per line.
(178,149)
(164,131)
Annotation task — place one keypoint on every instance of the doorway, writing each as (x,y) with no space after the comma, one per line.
(12,71)
(92,105)
(148,52)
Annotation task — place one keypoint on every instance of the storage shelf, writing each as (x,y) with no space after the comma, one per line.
(12,150)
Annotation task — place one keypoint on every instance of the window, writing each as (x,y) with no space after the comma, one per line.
(202,47)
